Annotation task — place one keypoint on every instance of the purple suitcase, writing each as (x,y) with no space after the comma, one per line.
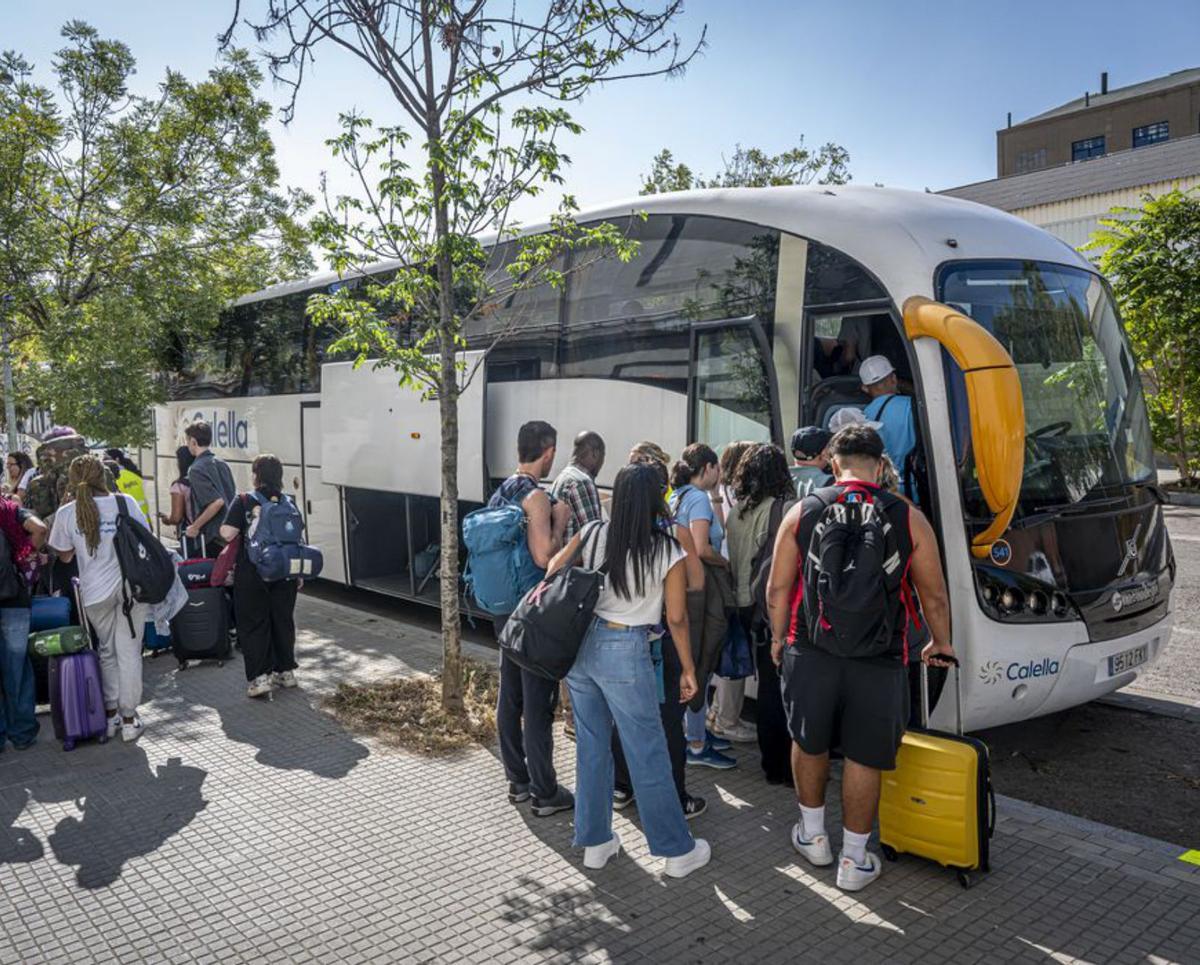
(77,693)
(77,698)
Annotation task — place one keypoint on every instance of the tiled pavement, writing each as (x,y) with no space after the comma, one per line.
(262,831)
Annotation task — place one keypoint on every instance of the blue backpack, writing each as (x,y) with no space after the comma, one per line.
(500,569)
(275,547)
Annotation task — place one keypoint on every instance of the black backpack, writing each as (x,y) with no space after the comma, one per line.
(760,565)
(855,570)
(544,633)
(146,566)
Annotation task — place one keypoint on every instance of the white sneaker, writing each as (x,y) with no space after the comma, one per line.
(817,851)
(113,726)
(855,877)
(131,732)
(285,679)
(596,856)
(260,686)
(739,733)
(685,864)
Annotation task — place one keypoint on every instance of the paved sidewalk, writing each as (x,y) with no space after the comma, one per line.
(261,831)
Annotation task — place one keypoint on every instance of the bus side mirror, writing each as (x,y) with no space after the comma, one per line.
(996,404)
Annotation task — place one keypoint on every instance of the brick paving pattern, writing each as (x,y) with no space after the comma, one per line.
(241,830)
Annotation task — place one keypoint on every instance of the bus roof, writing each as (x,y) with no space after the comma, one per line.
(900,236)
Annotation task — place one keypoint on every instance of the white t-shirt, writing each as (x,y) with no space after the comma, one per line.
(641,611)
(99,574)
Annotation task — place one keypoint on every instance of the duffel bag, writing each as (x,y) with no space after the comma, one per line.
(49,613)
(544,633)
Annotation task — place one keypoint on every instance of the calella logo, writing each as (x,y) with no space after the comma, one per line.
(994,671)
(991,672)
(230,429)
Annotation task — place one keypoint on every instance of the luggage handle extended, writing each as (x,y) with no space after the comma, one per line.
(957,694)
(84,623)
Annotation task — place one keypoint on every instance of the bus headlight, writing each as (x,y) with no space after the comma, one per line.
(1016,597)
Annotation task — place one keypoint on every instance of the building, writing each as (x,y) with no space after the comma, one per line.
(1068,167)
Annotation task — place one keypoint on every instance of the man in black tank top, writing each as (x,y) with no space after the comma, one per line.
(841,684)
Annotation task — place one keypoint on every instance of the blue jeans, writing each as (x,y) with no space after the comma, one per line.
(613,681)
(16,672)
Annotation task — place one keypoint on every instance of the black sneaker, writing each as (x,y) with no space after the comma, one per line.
(563,800)
(622,799)
(517,793)
(694,806)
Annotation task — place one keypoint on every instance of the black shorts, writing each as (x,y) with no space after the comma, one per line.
(859,705)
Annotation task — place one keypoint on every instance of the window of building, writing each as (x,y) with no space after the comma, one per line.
(1087,148)
(1151,134)
(1031,160)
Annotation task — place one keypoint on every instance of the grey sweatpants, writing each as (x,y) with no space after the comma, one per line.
(120,652)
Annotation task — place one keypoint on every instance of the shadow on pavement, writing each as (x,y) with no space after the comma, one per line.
(292,735)
(124,818)
(17,844)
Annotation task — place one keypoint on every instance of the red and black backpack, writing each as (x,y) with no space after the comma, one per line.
(853,597)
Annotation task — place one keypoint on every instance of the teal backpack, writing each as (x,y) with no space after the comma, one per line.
(500,569)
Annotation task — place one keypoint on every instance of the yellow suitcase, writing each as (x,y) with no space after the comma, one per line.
(938,803)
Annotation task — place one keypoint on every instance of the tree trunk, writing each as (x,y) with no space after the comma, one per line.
(452,671)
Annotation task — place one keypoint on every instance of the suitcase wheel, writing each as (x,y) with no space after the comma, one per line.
(220,663)
(68,745)
(965,879)
(183,665)
(102,739)
(889,852)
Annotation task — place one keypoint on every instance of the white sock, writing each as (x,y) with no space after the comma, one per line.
(854,845)
(814,821)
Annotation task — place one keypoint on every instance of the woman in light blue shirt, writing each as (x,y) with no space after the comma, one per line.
(695,478)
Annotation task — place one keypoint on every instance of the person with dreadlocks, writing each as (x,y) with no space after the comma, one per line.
(83,530)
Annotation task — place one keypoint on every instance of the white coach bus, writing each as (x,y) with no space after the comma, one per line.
(743,316)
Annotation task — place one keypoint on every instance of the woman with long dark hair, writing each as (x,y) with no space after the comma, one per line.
(180,515)
(613,680)
(265,613)
(761,479)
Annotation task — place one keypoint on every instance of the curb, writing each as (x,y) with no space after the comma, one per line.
(1160,705)
(1177,498)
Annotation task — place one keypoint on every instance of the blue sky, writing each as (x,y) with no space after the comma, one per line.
(915,90)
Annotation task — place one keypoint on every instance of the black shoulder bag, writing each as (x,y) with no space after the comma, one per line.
(547,628)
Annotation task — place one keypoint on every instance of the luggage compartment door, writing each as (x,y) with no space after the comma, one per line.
(320,501)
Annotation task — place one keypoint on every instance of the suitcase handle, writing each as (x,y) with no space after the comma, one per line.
(957,696)
(84,623)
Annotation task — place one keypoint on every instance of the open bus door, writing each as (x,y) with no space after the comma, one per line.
(732,392)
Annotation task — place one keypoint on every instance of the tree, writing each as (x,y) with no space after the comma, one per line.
(753,168)
(482,84)
(129,221)
(1152,256)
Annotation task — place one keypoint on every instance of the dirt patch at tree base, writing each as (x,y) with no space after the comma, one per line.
(408,713)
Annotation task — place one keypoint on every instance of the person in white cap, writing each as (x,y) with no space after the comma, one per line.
(891,412)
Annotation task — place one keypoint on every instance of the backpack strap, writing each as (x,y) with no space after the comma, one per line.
(886,402)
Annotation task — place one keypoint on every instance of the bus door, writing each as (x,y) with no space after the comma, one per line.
(732,393)
(321,502)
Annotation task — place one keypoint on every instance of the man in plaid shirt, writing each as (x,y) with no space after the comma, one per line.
(576,484)
(576,487)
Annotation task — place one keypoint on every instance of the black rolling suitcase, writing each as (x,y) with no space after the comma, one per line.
(200,631)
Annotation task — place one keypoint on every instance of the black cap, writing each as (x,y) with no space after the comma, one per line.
(810,441)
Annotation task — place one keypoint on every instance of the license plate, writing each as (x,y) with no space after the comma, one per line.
(1127,659)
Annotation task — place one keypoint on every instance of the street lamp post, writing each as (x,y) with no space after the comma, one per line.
(10,401)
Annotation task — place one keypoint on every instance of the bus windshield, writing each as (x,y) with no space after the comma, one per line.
(1086,426)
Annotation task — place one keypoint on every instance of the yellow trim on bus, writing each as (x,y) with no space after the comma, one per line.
(996,404)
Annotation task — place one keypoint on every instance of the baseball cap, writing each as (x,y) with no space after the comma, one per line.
(874,369)
(810,440)
(849,416)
